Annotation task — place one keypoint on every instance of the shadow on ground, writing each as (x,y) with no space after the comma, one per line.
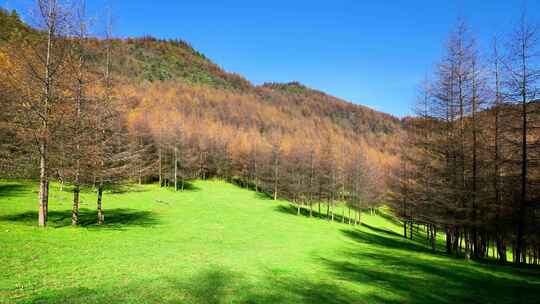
(413,277)
(114,218)
(9,190)
(188,186)
(304,211)
(215,286)
(356,280)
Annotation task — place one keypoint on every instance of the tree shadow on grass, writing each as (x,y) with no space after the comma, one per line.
(389,217)
(292,209)
(263,196)
(125,188)
(209,286)
(384,241)
(379,230)
(384,278)
(9,190)
(416,278)
(188,186)
(114,218)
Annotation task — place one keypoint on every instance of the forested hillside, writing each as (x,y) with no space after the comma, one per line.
(102,111)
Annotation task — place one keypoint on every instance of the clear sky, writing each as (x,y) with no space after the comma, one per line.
(369,52)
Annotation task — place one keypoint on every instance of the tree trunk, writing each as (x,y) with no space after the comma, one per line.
(75,208)
(433,237)
(276,177)
(520,242)
(160,156)
(43,185)
(328,210)
(448,241)
(404,228)
(501,249)
(101,216)
(175,168)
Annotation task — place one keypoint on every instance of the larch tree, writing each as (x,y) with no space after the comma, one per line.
(523,76)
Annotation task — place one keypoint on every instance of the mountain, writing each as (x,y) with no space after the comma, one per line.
(152,59)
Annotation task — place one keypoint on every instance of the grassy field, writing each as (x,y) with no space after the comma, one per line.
(217,243)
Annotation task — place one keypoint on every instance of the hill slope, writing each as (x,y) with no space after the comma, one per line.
(217,243)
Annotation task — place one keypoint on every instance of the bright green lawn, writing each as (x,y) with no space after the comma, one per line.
(217,243)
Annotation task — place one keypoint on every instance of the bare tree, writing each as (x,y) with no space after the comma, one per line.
(522,87)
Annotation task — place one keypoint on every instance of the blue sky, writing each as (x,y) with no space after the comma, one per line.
(369,52)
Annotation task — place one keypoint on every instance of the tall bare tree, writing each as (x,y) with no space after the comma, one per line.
(523,74)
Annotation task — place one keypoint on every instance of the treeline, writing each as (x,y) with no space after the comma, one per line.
(470,163)
(81,112)
(192,132)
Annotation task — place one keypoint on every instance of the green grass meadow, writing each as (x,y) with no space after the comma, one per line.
(218,243)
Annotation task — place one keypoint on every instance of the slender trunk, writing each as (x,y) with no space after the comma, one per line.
(404,228)
(43,185)
(474,160)
(311,176)
(75,208)
(448,241)
(328,210)
(76,181)
(43,144)
(255,168)
(175,168)
(76,186)
(276,176)
(140,162)
(101,216)
(497,159)
(159,163)
(433,237)
(501,249)
(520,246)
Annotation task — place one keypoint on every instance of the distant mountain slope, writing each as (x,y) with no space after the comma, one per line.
(152,59)
(345,114)
(157,60)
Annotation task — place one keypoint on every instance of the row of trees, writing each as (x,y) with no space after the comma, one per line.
(186,133)
(57,88)
(471,162)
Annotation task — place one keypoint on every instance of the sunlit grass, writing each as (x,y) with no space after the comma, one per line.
(218,243)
